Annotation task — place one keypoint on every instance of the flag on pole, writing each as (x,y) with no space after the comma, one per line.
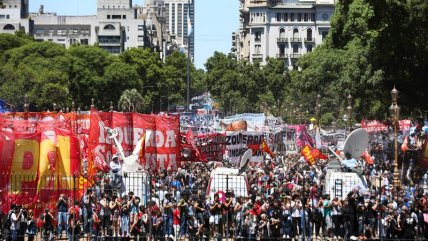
(266,149)
(307,154)
(189,24)
(318,138)
(318,154)
(404,146)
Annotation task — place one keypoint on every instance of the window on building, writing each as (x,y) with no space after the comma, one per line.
(7,16)
(285,17)
(309,34)
(295,33)
(312,17)
(39,31)
(2,16)
(84,41)
(9,27)
(109,39)
(292,17)
(51,32)
(124,17)
(295,48)
(140,38)
(282,50)
(306,17)
(299,17)
(257,49)
(278,17)
(324,34)
(109,27)
(309,48)
(258,36)
(116,16)
(140,27)
(108,16)
(282,33)
(75,31)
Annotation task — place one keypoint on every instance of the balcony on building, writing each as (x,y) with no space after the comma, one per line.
(295,40)
(309,40)
(295,55)
(257,56)
(282,40)
(282,56)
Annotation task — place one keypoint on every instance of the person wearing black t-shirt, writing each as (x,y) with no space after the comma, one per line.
(199,211)
(62,206)
(275,219)
(215,209)
(48,227)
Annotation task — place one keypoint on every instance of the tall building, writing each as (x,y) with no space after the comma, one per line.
(284,29)
(178,13)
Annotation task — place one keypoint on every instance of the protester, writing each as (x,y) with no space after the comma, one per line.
(286,200)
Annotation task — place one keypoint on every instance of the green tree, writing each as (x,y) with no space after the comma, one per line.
(131,101)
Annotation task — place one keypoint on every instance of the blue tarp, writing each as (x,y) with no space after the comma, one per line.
(3,106)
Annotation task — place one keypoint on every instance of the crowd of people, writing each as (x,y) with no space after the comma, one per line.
(285,201)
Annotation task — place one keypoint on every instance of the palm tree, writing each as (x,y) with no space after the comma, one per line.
(131,101)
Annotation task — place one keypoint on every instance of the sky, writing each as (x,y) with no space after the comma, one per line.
(215,21)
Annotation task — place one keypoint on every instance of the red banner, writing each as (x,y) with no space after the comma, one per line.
(42,153)
(212,146)
(162,143)
(37,167)
(377,126)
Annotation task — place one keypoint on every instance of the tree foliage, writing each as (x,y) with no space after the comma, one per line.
(49,73)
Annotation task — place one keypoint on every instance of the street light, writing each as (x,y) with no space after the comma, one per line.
(394,111)
(349,109)
(318,110)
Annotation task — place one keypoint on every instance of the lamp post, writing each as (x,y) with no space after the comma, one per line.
(318,110)
(394,111)
(349,109)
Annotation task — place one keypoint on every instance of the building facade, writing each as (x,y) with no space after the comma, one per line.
(174,18)
(284,29)
(117,26)
(14,16)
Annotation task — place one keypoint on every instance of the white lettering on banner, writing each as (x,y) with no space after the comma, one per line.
(170,139)
(138,132)
(100,150)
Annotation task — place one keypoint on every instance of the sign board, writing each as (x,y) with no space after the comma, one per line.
(289,139)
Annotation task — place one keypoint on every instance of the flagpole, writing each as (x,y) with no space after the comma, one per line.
(188,58)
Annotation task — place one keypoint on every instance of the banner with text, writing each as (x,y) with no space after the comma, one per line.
(239,142)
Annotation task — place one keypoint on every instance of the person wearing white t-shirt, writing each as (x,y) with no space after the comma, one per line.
(15,217)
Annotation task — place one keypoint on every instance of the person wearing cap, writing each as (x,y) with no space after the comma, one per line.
(116,172)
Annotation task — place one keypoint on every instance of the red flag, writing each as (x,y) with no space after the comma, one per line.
(254,148)
(190,141)
(404,146)
(266,149)
(318,154)
(307,154)
(368,158)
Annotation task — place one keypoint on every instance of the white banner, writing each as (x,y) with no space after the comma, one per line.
(255,122)
(239,142)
